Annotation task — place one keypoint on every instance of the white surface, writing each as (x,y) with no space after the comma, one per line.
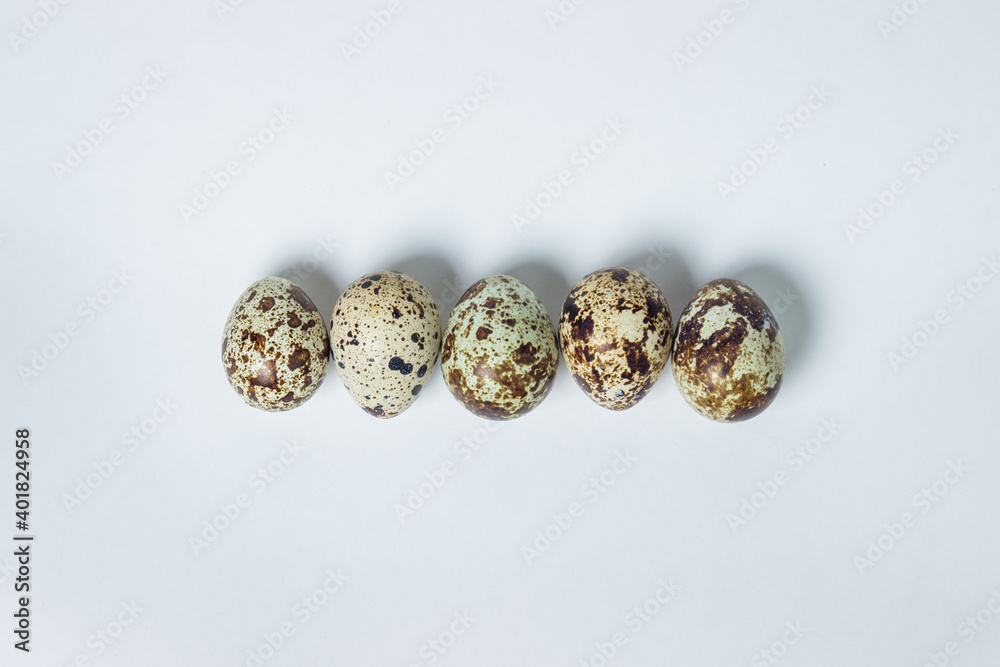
(650,200)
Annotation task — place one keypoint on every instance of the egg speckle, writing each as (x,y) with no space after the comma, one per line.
(729,358)
(499,353)
(275,346)
(615,332)
(386,334)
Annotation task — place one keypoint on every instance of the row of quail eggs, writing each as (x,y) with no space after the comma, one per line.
(499,350)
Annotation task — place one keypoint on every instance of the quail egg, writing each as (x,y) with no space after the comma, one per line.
(615,332)
(729,358)
(499,353)
(275,346)
(386,335)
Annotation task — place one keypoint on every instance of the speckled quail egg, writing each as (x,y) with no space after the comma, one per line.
(275,347)
(499,353)
(729,359)
(386,335)
(615,332)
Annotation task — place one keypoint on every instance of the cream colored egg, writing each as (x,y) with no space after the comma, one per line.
(615,332)
(499,353)
(729,358)
(386,335)
(275,346)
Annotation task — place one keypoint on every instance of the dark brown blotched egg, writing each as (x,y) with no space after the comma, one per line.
(386,335)
(275,347)
(499,353)
(729,358)
(615,332)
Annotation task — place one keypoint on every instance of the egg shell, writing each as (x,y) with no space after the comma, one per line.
(615,332)
(499,354)
(386,334)
(729,358)
(275,346)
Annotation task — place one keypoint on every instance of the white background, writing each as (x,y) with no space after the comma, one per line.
(315,205)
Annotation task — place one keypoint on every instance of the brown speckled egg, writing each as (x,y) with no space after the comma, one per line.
(615,331)
(386,335)
(729,359)
(275,347)
(499,354)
